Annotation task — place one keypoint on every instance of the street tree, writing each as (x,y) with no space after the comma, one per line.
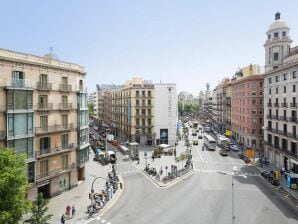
(13,186)
(39,210)
(91,109)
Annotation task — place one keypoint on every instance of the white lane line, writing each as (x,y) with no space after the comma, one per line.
(108,223)
(103,221)
(98,218)
(201,158)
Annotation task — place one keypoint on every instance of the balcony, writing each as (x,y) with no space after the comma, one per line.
(284,104)
(54,151)
(23,106)
(269,116)
(44,106)
(44,86)
(269,104)
(65,88)
(276,104)
(20,83)
(293,119)
(2,135)
(283,118)
(294,105)
(55,172)
(53,129)
(65,106)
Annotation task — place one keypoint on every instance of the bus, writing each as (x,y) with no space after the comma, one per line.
(209,142)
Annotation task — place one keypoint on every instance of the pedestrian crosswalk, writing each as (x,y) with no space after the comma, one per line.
(102,220)
(227,171)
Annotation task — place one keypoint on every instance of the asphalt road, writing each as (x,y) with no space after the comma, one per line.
(205,197)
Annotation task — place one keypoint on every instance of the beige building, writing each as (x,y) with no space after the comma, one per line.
(132,111)
(44,114)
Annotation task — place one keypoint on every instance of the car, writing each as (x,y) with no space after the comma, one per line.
(200,137)
(197,130)
(234,147)
(195,142)
(223,152)
(194,134)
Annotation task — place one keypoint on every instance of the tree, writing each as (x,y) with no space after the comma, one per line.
(91,109)
(39,210)
(13,186)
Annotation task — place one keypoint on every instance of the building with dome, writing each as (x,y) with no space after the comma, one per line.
(280,94)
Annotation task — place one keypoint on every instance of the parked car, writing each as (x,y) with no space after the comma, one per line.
(223,152)
(200,137)
(195,142)
(234,147)
(194,134)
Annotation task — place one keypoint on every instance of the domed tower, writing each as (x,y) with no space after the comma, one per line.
(278,43)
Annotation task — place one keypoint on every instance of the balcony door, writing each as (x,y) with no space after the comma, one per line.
(18,78)
(45,145)
(44,122)
(64,101)
(44,168)
(43,79)
(64,121)
(42,101)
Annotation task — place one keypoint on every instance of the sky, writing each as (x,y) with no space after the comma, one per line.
(187,42)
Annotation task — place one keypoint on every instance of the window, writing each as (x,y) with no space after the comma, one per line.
(18,79)
(23,145)
(43,79)
(137,93)
(294,88)
(143,94)
(81,85)
(64,162)
(253,93)
(284,33)
(149,93)
(44,122)
(261,84)
(294,74)
(149,102)
(44,145)
(253,111)
(269,91)
(261,101)
(277,78)
(253,101)
(261,120)
(254,121)
(269,80)
(19,100)
(261,111)
(285,77)
(64,121)
(43,102)
(253,85)
(44,168)
(276,90)
(275,34)
(64,141)
(253,131)
(269,36)
(285,89)
(275,56)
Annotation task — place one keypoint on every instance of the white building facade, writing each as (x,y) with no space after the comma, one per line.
(166,113)
(280,97)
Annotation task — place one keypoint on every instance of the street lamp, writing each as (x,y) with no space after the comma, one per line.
(234,173)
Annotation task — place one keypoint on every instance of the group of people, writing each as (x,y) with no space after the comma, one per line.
(69,213)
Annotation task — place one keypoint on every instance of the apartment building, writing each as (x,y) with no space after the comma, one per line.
(280,95)
(43,113)
(227,93)
(217,108)
(247,109)
(133,111)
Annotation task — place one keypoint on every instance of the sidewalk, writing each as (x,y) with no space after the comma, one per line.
(79,196)
(161,164)
(282,181)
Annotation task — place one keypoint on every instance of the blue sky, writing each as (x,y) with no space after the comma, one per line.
(187,42)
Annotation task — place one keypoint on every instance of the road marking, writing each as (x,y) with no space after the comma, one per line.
(98,218)
(201,158)
(103,221)
(286,196)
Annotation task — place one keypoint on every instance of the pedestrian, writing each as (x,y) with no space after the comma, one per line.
(68,210)
(63,219)
(152,157)
(73,210)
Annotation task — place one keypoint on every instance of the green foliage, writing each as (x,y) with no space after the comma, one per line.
(39,210)
(91,108)
(13,186)
(181,157)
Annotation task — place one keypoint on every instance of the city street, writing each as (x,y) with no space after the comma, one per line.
(205,197)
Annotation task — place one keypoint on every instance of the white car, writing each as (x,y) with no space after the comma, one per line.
(234,147)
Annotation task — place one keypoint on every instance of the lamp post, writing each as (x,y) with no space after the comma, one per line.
(234,173)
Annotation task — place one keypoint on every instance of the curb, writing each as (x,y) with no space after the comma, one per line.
(111,203)
(283,187)
(170,184)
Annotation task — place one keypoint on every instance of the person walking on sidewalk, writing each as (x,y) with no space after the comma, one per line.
(152,157)
(62,219)
(73,210)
